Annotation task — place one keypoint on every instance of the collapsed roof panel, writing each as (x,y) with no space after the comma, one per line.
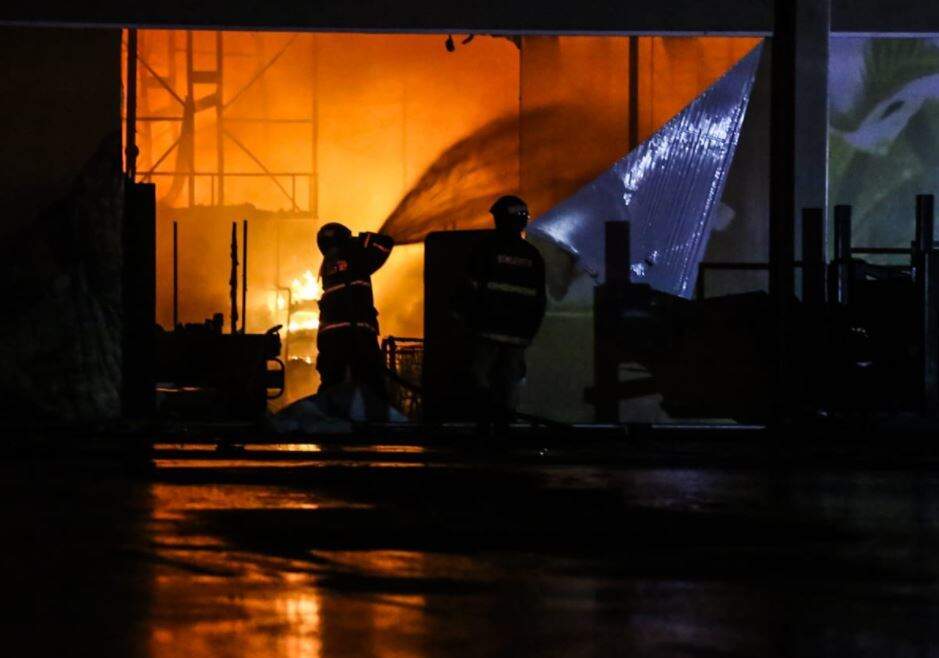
(669,188)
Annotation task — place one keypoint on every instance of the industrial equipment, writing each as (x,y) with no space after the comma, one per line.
(207,374)
(447,384)
(866,344)
(403,359)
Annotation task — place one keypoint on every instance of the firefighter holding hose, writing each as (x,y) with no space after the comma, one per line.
(504,309)
(347,340)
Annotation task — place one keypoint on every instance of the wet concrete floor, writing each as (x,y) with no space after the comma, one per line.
(406,551)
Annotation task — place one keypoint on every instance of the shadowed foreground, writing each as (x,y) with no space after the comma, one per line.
(419,551)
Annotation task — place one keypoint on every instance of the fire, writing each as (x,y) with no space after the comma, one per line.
(304,321)
(342,127)
(305,288)
(303,315)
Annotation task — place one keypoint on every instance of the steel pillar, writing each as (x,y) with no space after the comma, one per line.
(841,284)
(813,257)
(924,261)
(798,152)
(138,393)
(130,140)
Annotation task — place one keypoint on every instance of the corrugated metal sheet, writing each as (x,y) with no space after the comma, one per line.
(669,188)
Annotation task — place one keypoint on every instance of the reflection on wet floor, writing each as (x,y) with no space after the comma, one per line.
(366,558)
(272,463)
(292,447)
(284,447)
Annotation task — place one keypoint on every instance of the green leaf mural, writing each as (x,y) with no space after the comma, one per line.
(884,146)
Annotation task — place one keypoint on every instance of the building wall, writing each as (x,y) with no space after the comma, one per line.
(61,96)
(60,195)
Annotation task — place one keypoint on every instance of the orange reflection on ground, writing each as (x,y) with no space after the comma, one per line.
(213,596)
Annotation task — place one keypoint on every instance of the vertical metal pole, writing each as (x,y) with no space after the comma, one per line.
(175,274)
(233,278)
(130,142)
(138,299)
(798,157)
(189,123)
(633,92)
(813,257)
(699,284)
(142,106)
(924,222)
(843,262)
(605,369)
(314,178)
(244,274)
(813,31)
(928,329)
(220,115)
(607,298)
(782,189)
(171,58)
(617,253)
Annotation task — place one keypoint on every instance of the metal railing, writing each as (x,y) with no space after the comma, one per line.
(720,266)
(404,358)
(274,176)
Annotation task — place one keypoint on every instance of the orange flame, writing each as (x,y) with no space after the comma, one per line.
(305,290)
(304,321)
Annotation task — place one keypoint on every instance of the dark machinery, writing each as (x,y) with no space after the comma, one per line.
(884,348)
(207,374)
(866,343)
(706,358)
(446,381)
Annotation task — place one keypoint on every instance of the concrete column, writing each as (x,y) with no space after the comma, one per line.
(799,144)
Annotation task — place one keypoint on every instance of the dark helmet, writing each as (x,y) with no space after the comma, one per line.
(510,213)
(331,235)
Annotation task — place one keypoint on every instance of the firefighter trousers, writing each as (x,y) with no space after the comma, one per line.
(351,354)
(498,370)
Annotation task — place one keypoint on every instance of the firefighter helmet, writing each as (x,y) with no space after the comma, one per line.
(510,213)
(332,234)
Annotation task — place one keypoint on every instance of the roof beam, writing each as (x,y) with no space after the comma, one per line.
(742,17)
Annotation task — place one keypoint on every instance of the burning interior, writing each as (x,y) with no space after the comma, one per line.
(407,134)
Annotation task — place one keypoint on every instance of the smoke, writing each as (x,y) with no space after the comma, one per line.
(458,188)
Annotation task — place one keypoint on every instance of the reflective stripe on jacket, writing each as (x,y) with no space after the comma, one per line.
(506,276)
(347,299)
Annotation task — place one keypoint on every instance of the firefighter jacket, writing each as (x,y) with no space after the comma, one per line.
(347,300)
(507,296)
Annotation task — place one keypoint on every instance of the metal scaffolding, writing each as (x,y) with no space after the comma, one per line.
(169,95)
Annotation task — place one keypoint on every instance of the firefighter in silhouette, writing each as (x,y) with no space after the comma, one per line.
(505,307)
(347,340)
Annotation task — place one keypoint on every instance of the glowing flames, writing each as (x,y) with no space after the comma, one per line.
(304,321)
(305,288)
(305,291)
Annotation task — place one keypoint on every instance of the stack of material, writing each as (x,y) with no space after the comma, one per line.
(61,285)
